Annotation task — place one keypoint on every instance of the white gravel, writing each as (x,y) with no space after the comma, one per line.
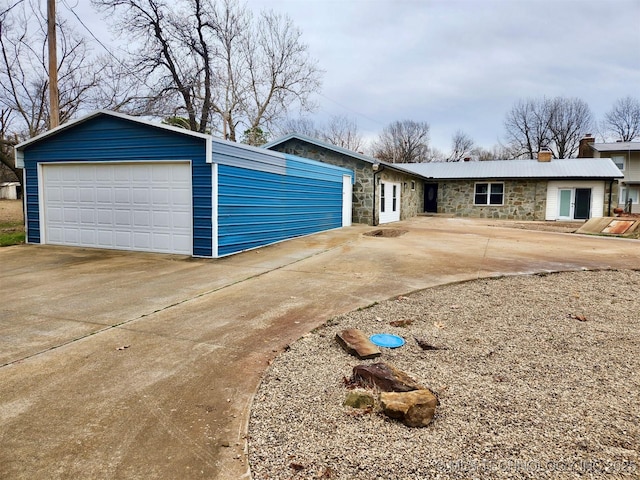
(526,389)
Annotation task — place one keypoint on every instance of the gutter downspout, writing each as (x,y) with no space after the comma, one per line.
(377,168)
(610,192)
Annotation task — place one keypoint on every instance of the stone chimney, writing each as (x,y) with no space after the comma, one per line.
(544,155)
(584,150)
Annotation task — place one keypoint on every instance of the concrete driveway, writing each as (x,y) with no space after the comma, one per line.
(128,365)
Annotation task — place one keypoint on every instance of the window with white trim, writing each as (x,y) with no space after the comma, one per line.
(619,161)
(627,193)
(490,193)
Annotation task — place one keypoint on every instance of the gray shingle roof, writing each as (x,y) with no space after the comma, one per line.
(556,168)
(616,146)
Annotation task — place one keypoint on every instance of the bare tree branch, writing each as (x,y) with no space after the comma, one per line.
(461,146)
(623,120)
(404,141)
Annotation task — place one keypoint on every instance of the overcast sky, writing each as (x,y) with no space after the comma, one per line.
(460,64)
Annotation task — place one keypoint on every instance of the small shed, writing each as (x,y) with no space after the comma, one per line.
(110,180)
(9,190)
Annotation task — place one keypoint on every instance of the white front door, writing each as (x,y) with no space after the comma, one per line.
(389,202)
(125,206)
(347,193)
(565,204)
(574,203)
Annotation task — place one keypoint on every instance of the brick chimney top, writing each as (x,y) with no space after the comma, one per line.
(544,155)
(584,149)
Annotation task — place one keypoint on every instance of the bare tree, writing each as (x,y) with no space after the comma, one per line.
(214,64)
(461,146)
(623,120)
(570,120)
(301,125)
(557,123)
(497,152)
(405,141)
(24,106)
(343,132)
(527,127)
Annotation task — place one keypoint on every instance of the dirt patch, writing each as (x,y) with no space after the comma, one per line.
(386,233)
(11,211)
(11,222)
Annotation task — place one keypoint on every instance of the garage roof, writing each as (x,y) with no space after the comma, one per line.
(557,168)
(344,151)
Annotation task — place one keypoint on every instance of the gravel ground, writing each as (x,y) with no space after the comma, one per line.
(527,390)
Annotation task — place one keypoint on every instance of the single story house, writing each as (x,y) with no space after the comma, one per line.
(543,189)
(114,181)
(626,156)
(382,192)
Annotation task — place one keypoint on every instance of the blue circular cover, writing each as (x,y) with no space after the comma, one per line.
(387,340)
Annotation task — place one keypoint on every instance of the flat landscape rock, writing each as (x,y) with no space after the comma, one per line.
(384,376)
(357,343)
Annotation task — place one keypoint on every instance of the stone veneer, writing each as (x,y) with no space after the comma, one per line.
(523,200)
(411,201)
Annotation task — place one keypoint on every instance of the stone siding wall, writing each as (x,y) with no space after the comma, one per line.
(363,194)
(523,200)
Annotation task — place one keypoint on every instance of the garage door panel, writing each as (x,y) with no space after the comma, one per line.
(121,196)
(142,218)
(104,238)
(70,215)
(181,220)
(71,236)
(86,175)
(88,237)
(161,219)
(70,194)
(87,194)
(124,206)
(142,241)
(87,216)
(103,195)
(141,196)
(181,196)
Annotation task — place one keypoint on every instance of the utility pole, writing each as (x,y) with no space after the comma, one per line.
(54,103)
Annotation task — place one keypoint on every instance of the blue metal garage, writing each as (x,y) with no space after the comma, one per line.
(114,181)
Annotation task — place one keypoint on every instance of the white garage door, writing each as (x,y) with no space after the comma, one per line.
(132,206)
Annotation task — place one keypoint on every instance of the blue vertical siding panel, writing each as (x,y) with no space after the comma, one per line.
(257,207)
(105,138)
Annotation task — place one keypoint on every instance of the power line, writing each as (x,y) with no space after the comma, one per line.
(106,49)
(350,109)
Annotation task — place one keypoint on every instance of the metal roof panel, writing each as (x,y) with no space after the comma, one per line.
(556,168)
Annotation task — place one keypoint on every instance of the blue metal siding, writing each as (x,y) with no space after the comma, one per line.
(238,155)
(256,208)
(105,138)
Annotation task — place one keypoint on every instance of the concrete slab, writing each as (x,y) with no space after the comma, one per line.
(175,403)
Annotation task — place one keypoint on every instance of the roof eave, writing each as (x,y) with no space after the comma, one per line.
(110,113)
(342,151)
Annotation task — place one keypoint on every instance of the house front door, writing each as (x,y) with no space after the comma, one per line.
(389,202)
(431,197)
(574,203)
(582,203)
